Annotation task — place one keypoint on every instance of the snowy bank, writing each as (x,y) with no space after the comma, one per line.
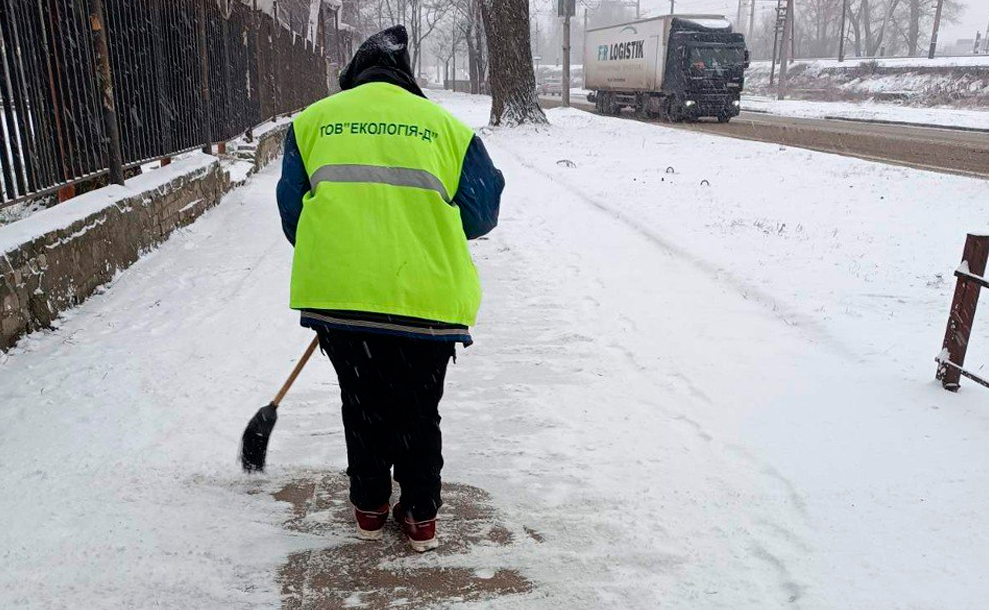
(961,82)
(869,111)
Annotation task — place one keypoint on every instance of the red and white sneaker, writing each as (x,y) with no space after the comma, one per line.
(371,523)
(420,534)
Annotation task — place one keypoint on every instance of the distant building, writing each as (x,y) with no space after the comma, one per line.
(317,20)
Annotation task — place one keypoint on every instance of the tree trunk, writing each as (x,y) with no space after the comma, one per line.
(513,83)
(867,27)
(856,32)
(913,29)
(472,63)
(482,68)
(882,28)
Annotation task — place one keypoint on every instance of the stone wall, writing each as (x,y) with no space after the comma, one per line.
(269,146)
(57,258)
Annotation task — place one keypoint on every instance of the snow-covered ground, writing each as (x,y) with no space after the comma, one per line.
(703,373)
(869,111)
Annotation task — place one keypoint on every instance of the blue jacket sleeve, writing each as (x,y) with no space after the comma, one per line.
(479,193)
(292,186)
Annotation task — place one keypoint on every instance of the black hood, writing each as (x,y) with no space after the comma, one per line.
(383,57)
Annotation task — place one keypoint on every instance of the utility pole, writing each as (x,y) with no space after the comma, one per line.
(777,31)
(841,40)
(569,8)
(638,9)
(671,6)
(738,20)
(566,60)
(785,49)
(937,25)
(751,29)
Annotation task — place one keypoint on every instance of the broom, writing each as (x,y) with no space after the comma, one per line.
(254,443)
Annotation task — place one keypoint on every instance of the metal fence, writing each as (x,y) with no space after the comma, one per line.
(185,73)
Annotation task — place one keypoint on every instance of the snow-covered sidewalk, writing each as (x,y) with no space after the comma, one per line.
(704,382)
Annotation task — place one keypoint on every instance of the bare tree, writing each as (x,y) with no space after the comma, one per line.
(424,16)
(444,44)
(472,28)
(874,27)
(513,84)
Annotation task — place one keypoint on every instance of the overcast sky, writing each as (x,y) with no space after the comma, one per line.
(975,17)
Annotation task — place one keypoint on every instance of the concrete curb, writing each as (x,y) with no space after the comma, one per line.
(900,123)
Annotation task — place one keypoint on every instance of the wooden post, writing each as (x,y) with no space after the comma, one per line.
(66,192)
(97,24)
(963,311)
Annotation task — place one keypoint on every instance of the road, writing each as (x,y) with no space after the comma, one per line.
(942,150)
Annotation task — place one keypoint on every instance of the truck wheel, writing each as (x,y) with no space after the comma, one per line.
(642,110)
(664,111)
(673,113)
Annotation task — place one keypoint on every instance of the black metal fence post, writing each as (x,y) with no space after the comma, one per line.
(204,74)
(98,27)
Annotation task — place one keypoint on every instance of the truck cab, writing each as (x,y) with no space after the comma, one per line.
(705,72)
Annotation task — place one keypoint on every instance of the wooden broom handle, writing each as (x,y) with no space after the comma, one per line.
(295,373)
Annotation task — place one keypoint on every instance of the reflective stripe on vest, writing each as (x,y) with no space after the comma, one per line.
(395,176)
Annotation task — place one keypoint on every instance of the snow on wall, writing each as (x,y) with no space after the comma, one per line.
(55,218)
(58,257)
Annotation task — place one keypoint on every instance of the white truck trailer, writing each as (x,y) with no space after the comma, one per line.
(677,67)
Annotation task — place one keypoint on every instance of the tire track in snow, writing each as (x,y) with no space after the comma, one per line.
(746,290)
(647,400)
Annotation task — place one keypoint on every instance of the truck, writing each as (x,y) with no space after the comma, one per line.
(675,67)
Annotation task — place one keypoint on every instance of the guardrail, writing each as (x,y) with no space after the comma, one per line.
(971,280)
(81,80)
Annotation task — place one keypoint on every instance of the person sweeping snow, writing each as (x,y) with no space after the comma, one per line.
(379,193)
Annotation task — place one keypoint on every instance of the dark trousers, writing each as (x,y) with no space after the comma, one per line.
(391,389)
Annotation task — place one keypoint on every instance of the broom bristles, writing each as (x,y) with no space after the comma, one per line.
(254,443)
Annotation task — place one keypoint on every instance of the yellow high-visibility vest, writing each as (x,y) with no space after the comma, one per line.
(379,231)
